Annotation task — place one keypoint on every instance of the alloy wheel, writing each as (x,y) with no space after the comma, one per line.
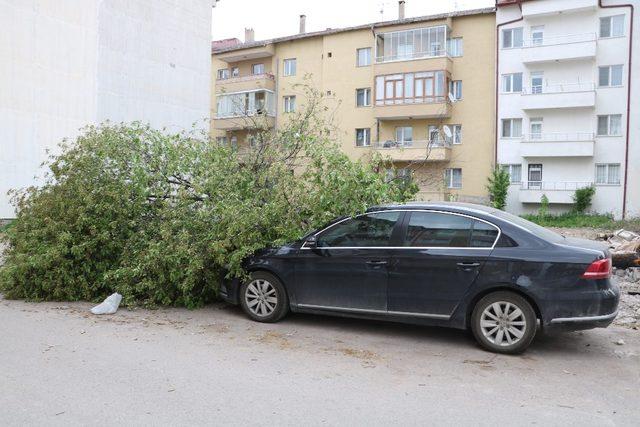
(261,297)
(503,323)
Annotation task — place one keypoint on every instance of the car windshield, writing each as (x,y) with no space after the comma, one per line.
(536,229)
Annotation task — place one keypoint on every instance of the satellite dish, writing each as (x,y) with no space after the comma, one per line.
(451,98)
(447,131)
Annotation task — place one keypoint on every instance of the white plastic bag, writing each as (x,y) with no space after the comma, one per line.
(109,305)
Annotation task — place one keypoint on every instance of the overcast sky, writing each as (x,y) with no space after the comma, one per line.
(274,18)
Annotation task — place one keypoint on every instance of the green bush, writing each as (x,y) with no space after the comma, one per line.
(543,210)
(582,199)
(162,217)
(498,187)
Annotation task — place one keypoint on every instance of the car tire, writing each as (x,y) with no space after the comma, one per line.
(263,298)
(504,322)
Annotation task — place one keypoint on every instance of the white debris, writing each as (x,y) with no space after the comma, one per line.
(109,305)
(620,342)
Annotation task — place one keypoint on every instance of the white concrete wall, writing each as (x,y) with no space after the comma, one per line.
(608,199)
(68,63)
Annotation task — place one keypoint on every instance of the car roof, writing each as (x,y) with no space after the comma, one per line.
(458,207)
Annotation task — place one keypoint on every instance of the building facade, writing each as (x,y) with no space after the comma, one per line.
(563,104)
(69,63)
(418,90)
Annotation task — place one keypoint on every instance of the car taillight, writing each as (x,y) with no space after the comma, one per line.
(600,269)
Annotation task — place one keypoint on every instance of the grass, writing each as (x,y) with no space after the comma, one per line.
(5,227)
(572,220)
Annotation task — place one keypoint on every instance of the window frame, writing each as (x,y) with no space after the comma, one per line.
(455,89)
(510,78)
(367,97)
(287,104)
(287,71)
(425,79)
(459,51)
(608,134)
(508,167)
(235,72)
(358,50)
(607,167)
(367,140)
(609,69)
(448,177)
(225,74)
(610,18)
(512,44)
(398,229)
(511,120)
(257,64)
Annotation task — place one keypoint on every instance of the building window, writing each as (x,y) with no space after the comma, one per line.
(363,57)
(511,128)
(404,136)
(433,133)
(223,74)
(536,82)
(610,125)
(612,26)
(235,71)
(537,35)
(512,37)
(535,175)
(515,173)
(290,67)
(453,178)
(455,47)
(610,76)
(411,88)
(608,174)
(245,104)
(363,137)
(257,69)
(289,104)
(535,128)
(234,142)
(363,97)
(512,83)
(456,131)
(221,140)
(455,89)
(411,44)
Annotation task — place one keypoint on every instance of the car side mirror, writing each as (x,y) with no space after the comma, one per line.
(311,242)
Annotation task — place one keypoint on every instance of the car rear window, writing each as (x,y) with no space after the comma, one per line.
(533,228)
(431,229)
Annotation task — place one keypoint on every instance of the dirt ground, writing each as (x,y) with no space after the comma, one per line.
(64,366)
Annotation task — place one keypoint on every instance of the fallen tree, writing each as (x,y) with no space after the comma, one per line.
(160,217)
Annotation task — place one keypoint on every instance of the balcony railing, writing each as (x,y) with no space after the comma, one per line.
(434,53)
(559,88)
(423,144)
(560,39)
(555,186)
(559,137)
(251,77)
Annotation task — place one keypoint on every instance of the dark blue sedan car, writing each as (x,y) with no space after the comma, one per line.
(448,264)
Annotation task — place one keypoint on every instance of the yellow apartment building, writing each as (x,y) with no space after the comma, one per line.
(420,91)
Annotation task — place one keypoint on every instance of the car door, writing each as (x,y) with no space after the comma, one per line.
(347,270)
(441,255)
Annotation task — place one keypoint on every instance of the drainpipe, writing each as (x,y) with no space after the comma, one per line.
(626,147)
(495,153)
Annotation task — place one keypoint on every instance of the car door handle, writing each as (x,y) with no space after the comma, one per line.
(468,265)
(377,262)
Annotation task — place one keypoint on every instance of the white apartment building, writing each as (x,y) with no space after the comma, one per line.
(65,64)
(562,104)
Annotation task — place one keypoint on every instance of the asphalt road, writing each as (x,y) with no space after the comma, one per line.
(60,365)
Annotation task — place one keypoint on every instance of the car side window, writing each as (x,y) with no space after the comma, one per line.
(366,230)
(483,235)
(432,229)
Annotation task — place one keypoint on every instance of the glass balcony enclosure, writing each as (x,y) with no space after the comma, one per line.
(411,88)
(248,103)
(412,44)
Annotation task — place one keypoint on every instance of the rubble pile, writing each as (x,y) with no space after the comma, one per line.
(624,246)
(629,307)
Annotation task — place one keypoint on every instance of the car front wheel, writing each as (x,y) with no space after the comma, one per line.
(504,322)
(263,298)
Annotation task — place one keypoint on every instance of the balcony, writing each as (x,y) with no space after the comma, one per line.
(578,144)
(560,48)
(246,83)
(425,110)
(415,151)
(532,9)
(245,110)
(244,54)
(571,95)
(556,192)
(249,121)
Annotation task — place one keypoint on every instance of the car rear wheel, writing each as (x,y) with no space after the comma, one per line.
(263,298)
(504,322)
